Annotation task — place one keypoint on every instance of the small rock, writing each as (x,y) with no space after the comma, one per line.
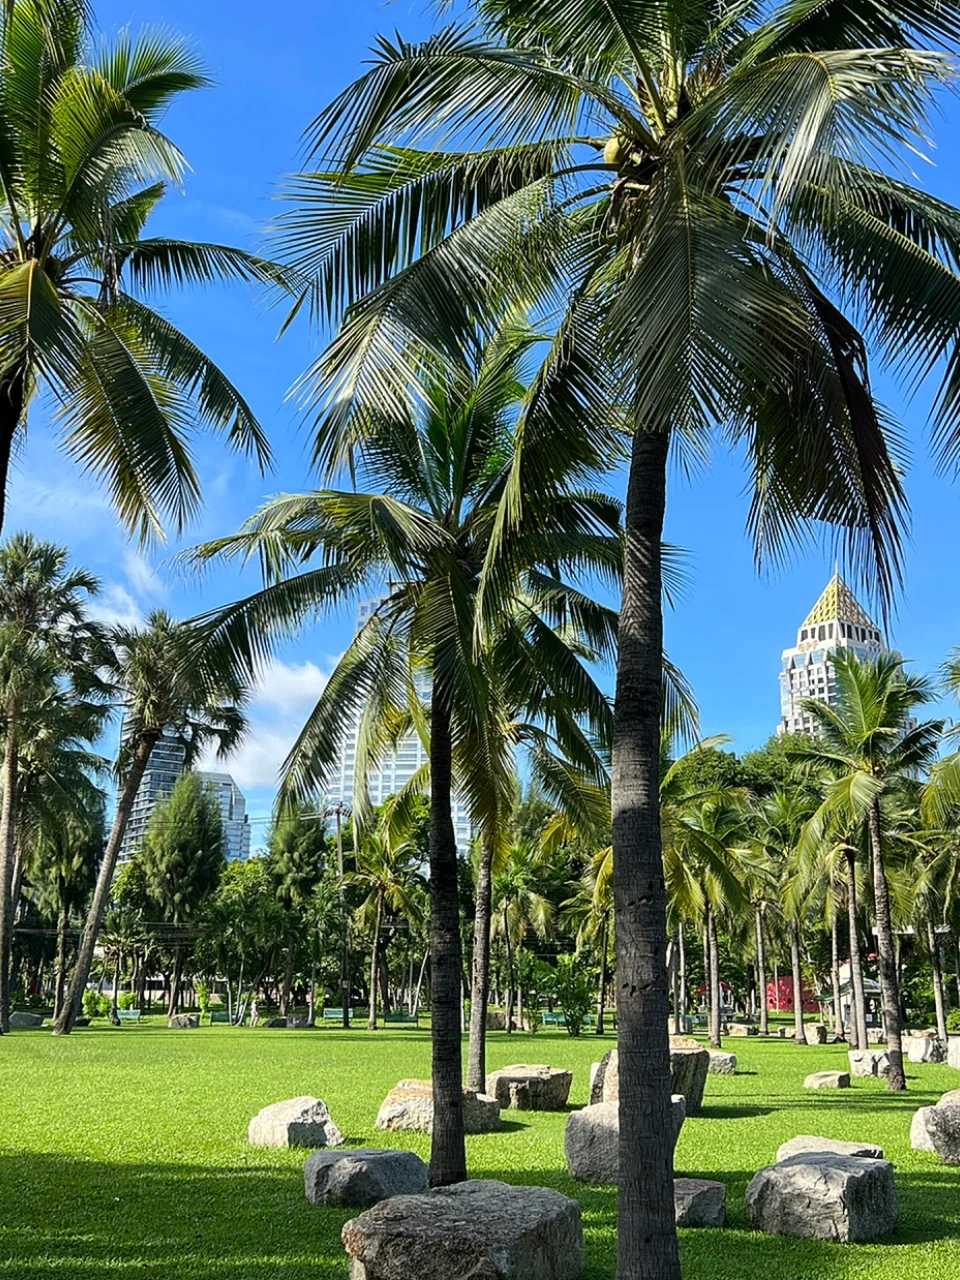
(184,1021)
(721,1063)
(530,1088)
(359,1179)
(480,1230)
(807,1142)
(409,1107)
(698,1202)
(297,1122)
(868,1062)
(828,1080)
(819,1196)
(592,1140)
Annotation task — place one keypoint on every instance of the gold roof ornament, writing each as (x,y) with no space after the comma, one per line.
(837,603)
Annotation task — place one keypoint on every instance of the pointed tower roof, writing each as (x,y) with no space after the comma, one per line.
(838,603)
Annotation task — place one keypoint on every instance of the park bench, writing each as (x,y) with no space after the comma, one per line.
(401,1019)
(128,1015)
(549,1019)
(333,1015)
(219,1015)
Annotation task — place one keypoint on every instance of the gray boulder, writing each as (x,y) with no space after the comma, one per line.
(953,1051)
(868,1062)
(828,1080)
(184,1021)
(807,1142)
(480,1230)
(297,1122)
(689,1066)
(742,1029)
(23,1021)
(527,1087)
(820,1196)
(408,1107)
(697,1202)
(592,1139)
(359,1179)
(721,1063)
(926,1048)
(816,1033)
(937,1129)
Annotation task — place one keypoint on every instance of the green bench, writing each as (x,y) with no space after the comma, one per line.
(549,1019)
(128,1015)
(219,1015)
(333,1015)
(401,1019)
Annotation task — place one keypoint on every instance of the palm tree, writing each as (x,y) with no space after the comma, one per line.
(441,461)
(518,909)
(686,185)
(869,745)
(44,635)
(163,685)
(83,165)
(590,912)
(386,868)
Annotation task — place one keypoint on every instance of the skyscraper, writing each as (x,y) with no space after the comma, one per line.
(836,621)
(232,806)
(396,767)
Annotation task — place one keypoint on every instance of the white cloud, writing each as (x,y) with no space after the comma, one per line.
(142,576)
(115,607)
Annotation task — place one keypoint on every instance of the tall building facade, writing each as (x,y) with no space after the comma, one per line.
(397,767)
(232,806)
(836,621)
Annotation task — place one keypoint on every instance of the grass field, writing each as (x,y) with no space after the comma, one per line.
(123,1154)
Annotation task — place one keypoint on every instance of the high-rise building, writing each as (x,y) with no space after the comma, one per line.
(836,621)
(397,767)
(230,801)
(166,763)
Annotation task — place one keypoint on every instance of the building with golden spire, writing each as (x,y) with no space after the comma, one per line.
(836,621)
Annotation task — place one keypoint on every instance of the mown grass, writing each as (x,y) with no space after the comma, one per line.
(123,1154)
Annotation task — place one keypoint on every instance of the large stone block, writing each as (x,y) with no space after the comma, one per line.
(828,1080)
(689,1066)
(875,1036)
(475,1230)
(819,1196)
(937,1129)
(184,1021)
(926,1048)
(953,1051)
(21,1020)
(721,1063)
(816,1032)
(527,1087)
(358,1179)
(409,1107)
(697,1202)
(742,1029)
(592,1140)
(808,1142)
(868,1062)
(297,1122)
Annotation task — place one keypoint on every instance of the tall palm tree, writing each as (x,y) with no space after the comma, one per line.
(590,913)
(440,461)
(870,745)
(83,163)
(519,908)
(44,635)
(161,684)
(386,869)
(686,185)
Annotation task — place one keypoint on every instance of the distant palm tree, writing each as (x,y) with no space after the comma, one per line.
(590,913)
(869,745)
(687,187)
(162,685)
(83,164)
(519,908)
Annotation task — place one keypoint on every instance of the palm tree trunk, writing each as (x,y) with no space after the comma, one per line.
(11,411)
(101,894)
(423,970)
(375,965)
(115,998)
(175,982)
(60,977)
(8,836)
(508,947)
(856,967)
(682,975)
(448,1155)
(838,1026)
(312,1018)
(714,978)
(889,983)
(287,978)
(480,992)
(647,1234)
(799,1033)
(761,971)
(938,993)
(602,994)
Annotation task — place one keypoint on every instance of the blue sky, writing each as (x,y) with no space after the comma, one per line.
(273,70)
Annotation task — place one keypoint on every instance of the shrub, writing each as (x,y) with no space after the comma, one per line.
(953,1020)
(203,997)
(91,1003)
(127,1000)
(572,988)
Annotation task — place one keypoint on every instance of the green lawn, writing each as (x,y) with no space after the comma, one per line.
(124,1154)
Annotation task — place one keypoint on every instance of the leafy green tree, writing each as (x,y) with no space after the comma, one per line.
(690,187)
(82,165)
(242,922)
(182,858)
(570,984)
(162,682)
(44,635)
(868,745)
(297,849)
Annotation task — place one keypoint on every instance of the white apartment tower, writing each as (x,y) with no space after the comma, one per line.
(836,621)
(396,767)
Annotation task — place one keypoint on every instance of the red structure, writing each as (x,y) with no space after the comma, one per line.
(780,997)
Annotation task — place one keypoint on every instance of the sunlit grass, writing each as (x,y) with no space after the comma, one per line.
(123,1154)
